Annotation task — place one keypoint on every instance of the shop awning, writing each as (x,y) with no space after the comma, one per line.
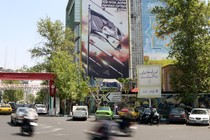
(134,90)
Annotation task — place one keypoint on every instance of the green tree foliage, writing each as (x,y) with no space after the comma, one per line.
(57,52)
(185,22)
(30,98)
(55,37)
(41,96)
(69,80)
(12,95)
(127,84)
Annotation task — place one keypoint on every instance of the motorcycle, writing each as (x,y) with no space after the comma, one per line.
(94,135)
(127,131)
(28,127)
(148,118)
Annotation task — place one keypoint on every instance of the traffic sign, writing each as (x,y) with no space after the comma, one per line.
(113,96)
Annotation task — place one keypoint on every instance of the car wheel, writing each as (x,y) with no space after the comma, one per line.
(11,121)
(15,122)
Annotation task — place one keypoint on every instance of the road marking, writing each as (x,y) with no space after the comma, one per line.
(50,131)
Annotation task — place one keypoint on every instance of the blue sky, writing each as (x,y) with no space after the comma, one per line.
(18,28)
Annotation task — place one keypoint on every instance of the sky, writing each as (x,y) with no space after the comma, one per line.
(18,28)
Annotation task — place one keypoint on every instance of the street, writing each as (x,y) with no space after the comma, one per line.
(63,128)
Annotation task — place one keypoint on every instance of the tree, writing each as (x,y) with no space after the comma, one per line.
(41,96)
(127,85)
(185,22)
(69,80)
(57,52)
(11,94)
(31,98)
(55,37)
(95,92)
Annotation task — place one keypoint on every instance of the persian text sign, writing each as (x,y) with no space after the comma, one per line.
(149,81)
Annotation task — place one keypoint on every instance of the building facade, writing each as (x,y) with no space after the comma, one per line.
(142,40)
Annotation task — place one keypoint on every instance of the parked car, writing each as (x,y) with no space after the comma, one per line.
(134,114)
(104,112)
(18,116)
(178,115)
(41,108)
(5,109)
(13,105)
(198,116)
(80,112)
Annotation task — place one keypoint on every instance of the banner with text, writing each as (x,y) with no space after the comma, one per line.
(149,81)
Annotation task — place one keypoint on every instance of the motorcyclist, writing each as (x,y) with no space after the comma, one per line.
(152,114)
(103,130)
(29,116)
(125,121)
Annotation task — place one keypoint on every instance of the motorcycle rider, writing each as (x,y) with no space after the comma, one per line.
(152,114)
(125,121)
(103,130)
(30,115)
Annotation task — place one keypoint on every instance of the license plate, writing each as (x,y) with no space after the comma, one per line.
(33,123)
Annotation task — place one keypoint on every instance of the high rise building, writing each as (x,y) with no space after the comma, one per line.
(115,55)
(136,36)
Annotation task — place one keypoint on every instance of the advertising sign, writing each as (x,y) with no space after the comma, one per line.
(105,41)
(149,81)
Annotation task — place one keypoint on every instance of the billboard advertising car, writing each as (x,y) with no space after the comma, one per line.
(105,42)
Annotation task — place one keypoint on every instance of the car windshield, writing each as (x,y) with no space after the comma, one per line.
(19,105)
(42,106)
(23,110)
(199,112)
(5,106)
(103,108)
(147,110)
(80,108)
(128,109)
(177,111)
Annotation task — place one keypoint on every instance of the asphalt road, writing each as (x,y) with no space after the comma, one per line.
(63,128)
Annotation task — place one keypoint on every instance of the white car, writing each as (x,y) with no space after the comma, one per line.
(80,112)
(41,108)
(18,116)
(198,116)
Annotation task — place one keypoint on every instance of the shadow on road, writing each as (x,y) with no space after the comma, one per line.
(10,124)
(21,134)
(71,119)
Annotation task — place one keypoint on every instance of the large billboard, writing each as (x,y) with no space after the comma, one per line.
(154,47)
(105,40)
(149,81)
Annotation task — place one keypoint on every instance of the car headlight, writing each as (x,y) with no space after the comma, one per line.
(205,118)
(191,118)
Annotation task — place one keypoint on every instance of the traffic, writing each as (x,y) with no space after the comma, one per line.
(108,123)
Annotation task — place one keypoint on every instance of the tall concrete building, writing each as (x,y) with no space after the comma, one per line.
(141,33)
(74,20)
(136,36)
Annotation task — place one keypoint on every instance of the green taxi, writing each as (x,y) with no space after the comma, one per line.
(104,112)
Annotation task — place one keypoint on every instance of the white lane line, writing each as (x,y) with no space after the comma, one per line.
(50,131)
